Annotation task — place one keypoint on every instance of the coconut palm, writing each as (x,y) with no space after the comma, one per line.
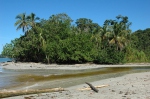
(32,20)
(22,22)
(105,33)
(120,32)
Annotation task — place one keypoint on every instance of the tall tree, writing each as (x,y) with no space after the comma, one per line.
(87,25)
(32,20)
(120,31)
(22,22)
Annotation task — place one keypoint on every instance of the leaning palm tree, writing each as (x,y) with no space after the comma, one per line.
(22,22)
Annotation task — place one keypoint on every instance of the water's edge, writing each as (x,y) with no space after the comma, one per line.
(40,79)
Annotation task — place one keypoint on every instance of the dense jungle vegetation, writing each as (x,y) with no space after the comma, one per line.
(61,40)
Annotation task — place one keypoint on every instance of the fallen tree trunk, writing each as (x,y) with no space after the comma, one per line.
(88,88)
(4,94)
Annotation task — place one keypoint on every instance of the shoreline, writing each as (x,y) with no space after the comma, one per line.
(31,65)
(130,86)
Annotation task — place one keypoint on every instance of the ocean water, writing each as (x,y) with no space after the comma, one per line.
(5,76)
(5,59)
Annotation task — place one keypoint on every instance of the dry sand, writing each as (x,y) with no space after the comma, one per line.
(130,86)
(19,65)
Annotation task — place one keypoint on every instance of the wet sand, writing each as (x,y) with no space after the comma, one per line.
(130,86)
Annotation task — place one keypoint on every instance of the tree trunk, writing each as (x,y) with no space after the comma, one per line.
(47,57)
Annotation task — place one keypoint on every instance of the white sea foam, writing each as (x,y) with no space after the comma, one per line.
(31,86)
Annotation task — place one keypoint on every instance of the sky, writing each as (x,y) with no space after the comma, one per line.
(138,12)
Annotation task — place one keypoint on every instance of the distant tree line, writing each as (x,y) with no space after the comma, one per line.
(58,40)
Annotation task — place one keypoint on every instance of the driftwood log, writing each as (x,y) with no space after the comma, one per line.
(6,93)
(92,87)
(89,88)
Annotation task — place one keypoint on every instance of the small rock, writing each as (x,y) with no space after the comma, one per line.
(127,93)
(113,90)
(120,92)
(67,94)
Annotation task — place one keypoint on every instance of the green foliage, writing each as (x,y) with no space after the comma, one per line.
(133,55)
(56,40)
(76,49)
(26,22)
(7,50)
(141,41)
(110,55)
(118,31)
(87,26)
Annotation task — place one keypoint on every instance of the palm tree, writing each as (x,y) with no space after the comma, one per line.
(105,33)
(120,32)
(26,22)
(32,20)
(22,22)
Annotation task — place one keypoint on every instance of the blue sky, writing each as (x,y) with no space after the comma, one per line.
(138,12)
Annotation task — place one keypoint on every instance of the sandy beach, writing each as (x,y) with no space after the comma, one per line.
(130,86)
(30,65)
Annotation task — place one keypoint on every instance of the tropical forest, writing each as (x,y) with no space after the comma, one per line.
(62,40)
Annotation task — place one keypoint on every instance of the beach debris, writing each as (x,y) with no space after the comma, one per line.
(10,93)
(94,88)
(88,88)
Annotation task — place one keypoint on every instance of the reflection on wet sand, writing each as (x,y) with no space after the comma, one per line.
(69,78)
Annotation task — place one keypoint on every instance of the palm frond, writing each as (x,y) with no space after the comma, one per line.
(17,22)
(19,27)
(112,41)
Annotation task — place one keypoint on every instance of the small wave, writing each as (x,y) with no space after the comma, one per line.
(34,85)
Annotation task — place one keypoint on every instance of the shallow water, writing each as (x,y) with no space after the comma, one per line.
(5,59)
(35,79)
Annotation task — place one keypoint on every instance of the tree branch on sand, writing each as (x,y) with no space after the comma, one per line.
(94,88)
